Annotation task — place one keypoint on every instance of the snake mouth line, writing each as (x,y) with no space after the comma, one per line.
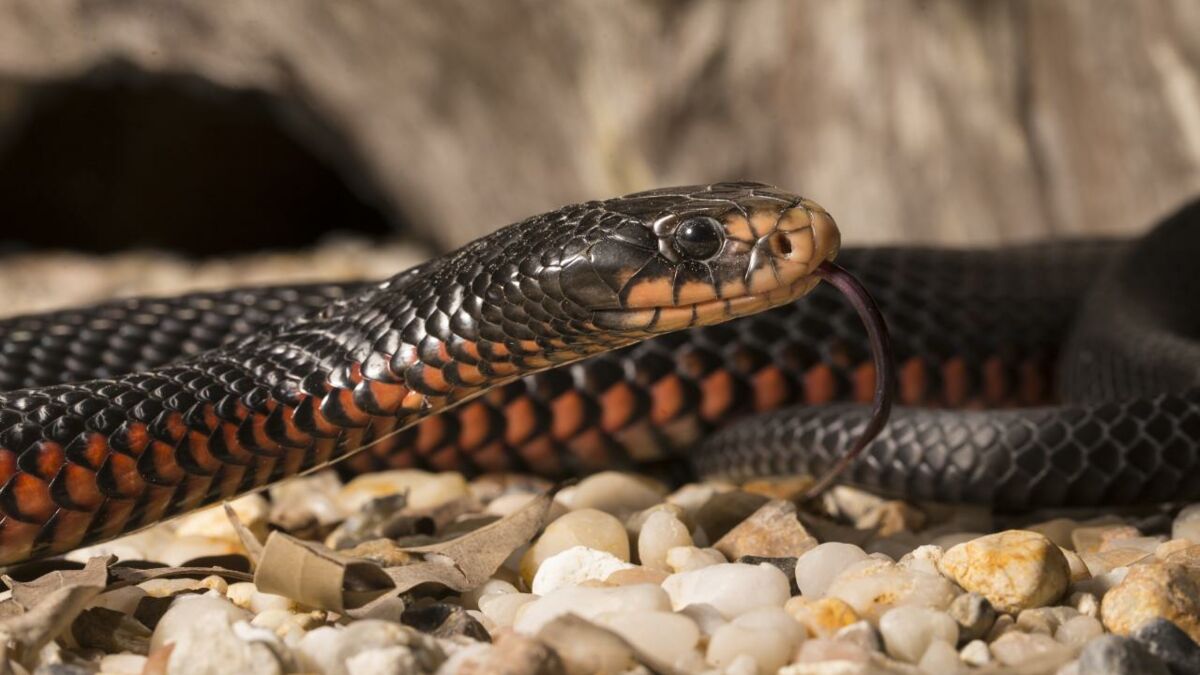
(703,313)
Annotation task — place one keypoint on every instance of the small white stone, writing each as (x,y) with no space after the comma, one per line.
(124,600)
(184,549)
(922,559)
(817,568)
(1014,648)
(271,619)
(212,523)
(501,608)
(976,654)
(660,533)
(693,496)
(123,664)
(688,558)
(202,629)
(665,636)
(241,593)
(585,527)
(587,602)
(769,635)
(1077,631)
(1085,603)
(908,631)
(873,586)
(941,657)
(574,566)
(742,665)
(732,588)
(188,608)
(617,493)
(706,617)
(1187,524)
(331,651)
(261,602)
(425,490)
(381,660)
(1014,570)
(470,599)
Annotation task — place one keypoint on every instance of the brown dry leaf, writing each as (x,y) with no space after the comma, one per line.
(466,562)
(311,574)
(253,546)
(53,601)
(29,593)
(128,576)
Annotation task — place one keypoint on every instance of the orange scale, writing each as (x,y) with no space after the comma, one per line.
(820,385)
(195,488)
(16,540)
(112,517)
(618,406)
(124,471)
(201,454)
(50,458)
(770,389)
(229,480)
(8,465)
(541,454)
(716,395)
(431,434)
(162,456)
(568,414)
(81,487)
(70,530)
(914,381)
(474,425)
(864,382)
(492,457)
(32,497)
(666,399)
(445,459)
(591,448)
(389,397)
(155,503)
(520,420)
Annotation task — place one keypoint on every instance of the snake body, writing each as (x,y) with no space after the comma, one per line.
(1030,376)
(84,461)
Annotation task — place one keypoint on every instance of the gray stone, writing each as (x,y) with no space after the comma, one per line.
(1116,655)
(1170,644)
(974,615)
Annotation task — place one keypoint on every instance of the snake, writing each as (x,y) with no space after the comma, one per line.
(644,330)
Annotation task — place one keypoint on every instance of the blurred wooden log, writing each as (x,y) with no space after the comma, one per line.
(925,120)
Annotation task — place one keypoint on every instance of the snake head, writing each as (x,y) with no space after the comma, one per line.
(675,258)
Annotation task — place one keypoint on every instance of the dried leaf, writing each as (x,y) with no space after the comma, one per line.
(250,542)
(466,562)
(30,593)
(111,631)
(311,574)
(127,576)
(55,600)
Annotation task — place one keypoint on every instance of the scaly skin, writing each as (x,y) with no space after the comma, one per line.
(83,462)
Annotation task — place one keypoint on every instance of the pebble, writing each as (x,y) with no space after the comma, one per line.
(123,664)
(732,588)
(1079,569)
(689,558)
(1014,648)
(501,608)
(890,517)
(664,636)
(585,527)
(725,510)
(661,532)
(1171,645)
(1089,539)
(1044,620)
(818,567)
(768,635)
(1077,631)
(908,631)
(1014,570)
(636,575)
(1116,655)
(588,602)
(822,617)
(493,586)
(873,586)
(425,490)
(1157,590)
(973,614)
(202,632)
(706,617)
(330,650)
(862,634)
(616,493)
(1084,603)
(1187,524)
(212,523)
(772,531)
(1103,562)
(1057,530)
(693,496)
(583,646)
(941,658)
(833,657)
(573,567)
(975,653)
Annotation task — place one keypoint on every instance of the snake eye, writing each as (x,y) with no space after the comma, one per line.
(698,238)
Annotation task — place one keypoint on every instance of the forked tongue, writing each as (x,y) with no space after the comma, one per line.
(885,369)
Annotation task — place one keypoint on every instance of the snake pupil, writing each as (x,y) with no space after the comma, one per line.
(698,238)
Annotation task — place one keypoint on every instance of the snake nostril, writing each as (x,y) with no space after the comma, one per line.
(781,245)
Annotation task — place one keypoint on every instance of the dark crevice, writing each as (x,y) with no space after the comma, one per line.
(120,158)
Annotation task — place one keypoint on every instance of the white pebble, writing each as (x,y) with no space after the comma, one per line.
(660,533)
(706,617)
(976,654)
(617,493)
(908,631)
(732,588)
(585,527)
(212,523)
(587,602)
(425,490)
(666,636)
(768,635)
(501,608)
(688,558)
(470,599)
(941,657)
(873,586)
(123,664)
(1075,632)
(574,566)
(817,568)
(188,609)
